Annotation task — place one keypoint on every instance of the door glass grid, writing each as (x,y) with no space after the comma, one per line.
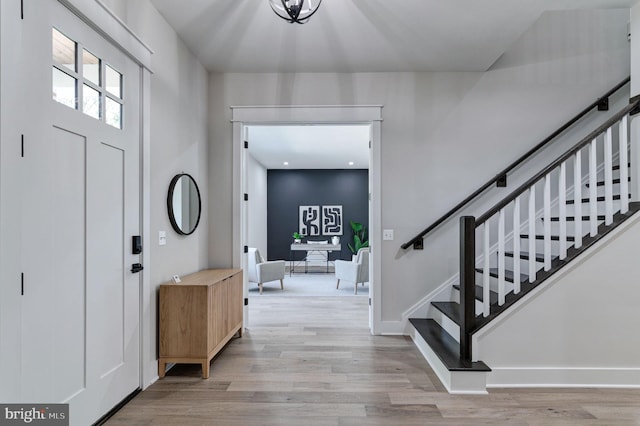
(64,50)
(90,67)
(91,101)
(114,82)
(101,85)
(64,88)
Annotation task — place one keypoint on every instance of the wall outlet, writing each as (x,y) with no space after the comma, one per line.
(387,234)
(162,238)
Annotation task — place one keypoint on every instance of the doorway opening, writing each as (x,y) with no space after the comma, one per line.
(312,180)
(250,120)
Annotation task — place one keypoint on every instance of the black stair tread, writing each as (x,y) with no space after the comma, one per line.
(587,200)
(553,237)
(525,255)
(493,296)
(450,309)
(508,275)
(573,218)
(615,181)
(445,346)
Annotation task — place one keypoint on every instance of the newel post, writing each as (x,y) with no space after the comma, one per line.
(467,283)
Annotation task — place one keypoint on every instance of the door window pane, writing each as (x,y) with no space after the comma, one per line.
(90,67)
(64,88)
(113,113)
(64,50)
(113,81)
(90,101)
(85,82)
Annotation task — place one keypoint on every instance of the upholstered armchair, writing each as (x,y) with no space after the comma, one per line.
(355,271)
(262,271)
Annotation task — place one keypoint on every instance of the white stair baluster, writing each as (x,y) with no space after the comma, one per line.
(486,278)
(624,165)
(501,273)
(547,221)
(562,207)
(516,244)
(577,196)
(608,177)
(532,233)
(593,189)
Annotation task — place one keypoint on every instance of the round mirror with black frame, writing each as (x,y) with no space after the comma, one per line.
(184,204)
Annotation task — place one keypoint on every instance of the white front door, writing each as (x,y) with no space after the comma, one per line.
(80,209)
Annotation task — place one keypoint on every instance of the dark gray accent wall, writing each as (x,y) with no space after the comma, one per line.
(289,189)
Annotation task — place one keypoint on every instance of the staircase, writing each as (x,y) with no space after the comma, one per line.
(527,237)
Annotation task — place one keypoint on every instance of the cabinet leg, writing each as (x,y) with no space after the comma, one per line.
(162,366)
(205,369)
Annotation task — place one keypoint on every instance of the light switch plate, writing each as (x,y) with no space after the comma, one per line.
(387,234)
(162,238)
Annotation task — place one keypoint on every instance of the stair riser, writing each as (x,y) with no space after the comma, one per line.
(524,269)
(555,245)
(445,322)
(600,189)
(571,209)
(455,297)
(524,265)
(493,282)
(571,226)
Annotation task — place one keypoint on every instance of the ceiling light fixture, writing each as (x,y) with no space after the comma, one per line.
(351,163)
(298,11)
(286,163)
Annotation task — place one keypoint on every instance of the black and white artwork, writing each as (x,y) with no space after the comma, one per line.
(309,220)
(331,220)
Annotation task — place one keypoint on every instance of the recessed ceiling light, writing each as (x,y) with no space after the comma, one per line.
(286,163)
(351,163)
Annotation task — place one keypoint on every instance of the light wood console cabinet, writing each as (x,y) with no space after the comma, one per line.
(198,316)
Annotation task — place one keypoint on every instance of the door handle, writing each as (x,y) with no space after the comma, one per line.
(136,267)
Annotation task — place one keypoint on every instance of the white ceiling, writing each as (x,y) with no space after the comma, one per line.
(351,36)
(358,35)
(310,147)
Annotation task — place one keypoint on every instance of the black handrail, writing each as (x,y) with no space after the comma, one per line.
(586,140)
(513,165)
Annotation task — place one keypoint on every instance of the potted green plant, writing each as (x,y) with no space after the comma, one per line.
(297,238)
(359,237)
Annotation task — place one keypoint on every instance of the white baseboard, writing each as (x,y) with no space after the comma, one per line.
(152,381)
(391,328)
(535,377)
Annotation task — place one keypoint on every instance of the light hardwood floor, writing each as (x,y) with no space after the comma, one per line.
(311,361)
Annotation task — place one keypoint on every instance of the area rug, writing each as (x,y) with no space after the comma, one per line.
(310,284)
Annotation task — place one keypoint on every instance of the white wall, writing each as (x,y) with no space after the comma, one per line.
(178,144)
(634,25)
(10,218)
(257,207)
(587,333)
(443,134)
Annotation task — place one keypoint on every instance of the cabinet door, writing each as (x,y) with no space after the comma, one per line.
(218,324)
(211,318)
(182,325)
(235,299)
(226,285)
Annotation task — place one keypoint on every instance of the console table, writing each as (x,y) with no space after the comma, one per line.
(325,249)
(198,316)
